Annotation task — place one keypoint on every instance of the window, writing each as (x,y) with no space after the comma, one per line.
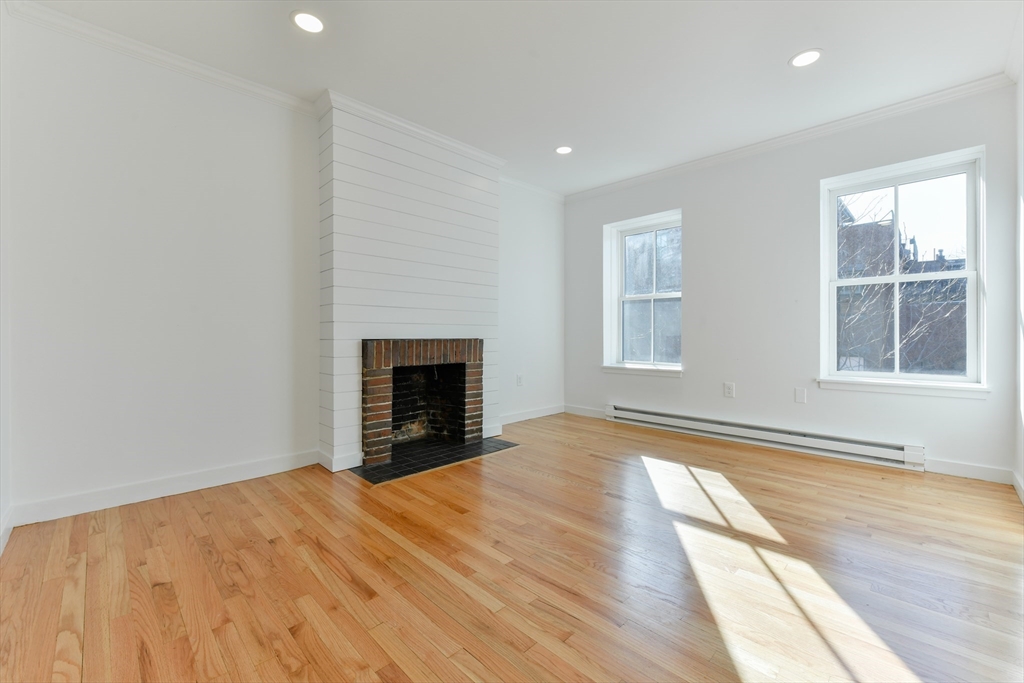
(901,302)
(643,294)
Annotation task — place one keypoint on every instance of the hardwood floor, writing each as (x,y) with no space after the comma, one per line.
(592,552)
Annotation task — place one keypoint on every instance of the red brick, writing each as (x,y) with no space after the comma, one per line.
(367,354)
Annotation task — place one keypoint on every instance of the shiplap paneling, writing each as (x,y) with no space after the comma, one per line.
(408,250)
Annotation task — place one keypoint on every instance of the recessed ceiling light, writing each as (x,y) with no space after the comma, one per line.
(563,150)
(806,57)
(307,22)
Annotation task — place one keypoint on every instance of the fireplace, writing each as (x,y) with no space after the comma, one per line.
(420,389)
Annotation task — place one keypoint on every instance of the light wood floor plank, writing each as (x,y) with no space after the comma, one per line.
(593,553)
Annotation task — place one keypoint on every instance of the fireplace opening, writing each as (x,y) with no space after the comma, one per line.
(420,389)
(428,401)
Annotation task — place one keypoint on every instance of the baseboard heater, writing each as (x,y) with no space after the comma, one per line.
(853,449)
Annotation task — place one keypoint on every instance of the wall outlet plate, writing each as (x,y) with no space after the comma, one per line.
(519,380)
(729,389)
(800,395)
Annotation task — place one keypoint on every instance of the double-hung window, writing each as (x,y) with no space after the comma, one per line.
(900,275)
(643,294)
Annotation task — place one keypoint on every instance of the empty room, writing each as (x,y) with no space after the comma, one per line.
(475,341)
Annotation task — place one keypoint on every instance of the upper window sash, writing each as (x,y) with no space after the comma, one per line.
(623,234)
(969,168)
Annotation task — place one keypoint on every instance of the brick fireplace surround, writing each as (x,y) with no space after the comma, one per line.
(464,415)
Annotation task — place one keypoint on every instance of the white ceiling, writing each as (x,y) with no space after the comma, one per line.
(632,86)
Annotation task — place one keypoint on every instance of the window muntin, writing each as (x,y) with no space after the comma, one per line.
(902,289)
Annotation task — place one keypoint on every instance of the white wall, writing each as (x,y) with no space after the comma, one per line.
(409,250)
(6,488)
(1015,69)
(751,289)
(164,294)
(1018,465)
(532,286)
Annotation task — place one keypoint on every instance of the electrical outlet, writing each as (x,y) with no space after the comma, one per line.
(800,395)
(730,389)
(519,380)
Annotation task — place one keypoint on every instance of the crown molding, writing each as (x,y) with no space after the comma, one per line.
(993,82)
(34,13)
(332,100)
(519,184)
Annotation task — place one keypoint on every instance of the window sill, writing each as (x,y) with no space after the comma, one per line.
(885,386)
(641,369)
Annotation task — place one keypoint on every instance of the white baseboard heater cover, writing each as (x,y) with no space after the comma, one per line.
(886,453)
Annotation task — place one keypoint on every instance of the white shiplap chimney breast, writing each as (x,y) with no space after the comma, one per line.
(408,249)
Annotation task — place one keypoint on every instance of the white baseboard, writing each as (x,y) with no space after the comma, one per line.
(963,469)
(1018,486)
(586,412)
(957,469)
(492,430)
(531,414)
(63,506)
(6,525)
(339,462)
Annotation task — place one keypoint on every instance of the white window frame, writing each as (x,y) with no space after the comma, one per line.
(970,161)
(614,247)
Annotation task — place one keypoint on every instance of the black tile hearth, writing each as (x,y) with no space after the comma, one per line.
(413,457)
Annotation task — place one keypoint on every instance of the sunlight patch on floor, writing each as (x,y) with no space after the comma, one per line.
(778,618)
(706,495)
(866,654)
(738,512)
(678,491)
